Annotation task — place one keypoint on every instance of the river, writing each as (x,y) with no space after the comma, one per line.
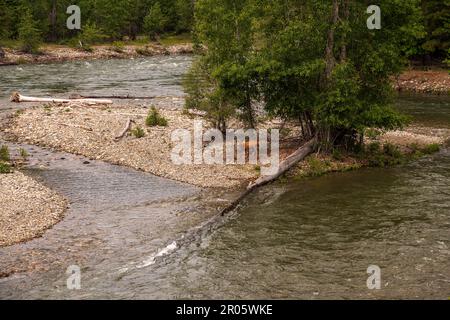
(309,239)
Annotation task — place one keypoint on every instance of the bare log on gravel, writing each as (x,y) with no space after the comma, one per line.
(300,154)
(17,97)
(125,130)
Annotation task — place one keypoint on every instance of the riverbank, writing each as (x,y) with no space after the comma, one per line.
(91,131)
(57,53)
(27,208)
(413,80)
(435,81)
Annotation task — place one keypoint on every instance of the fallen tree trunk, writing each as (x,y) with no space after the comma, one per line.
(17,97)
(125,130)
(118,97)
(285,165)
(3,64)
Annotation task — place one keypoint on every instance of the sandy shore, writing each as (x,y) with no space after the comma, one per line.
(27,208)
(55,53)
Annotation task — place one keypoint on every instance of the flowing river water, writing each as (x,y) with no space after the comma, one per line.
(310,239)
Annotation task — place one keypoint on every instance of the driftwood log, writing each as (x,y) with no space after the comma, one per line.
(300,154)
(118,97)
(125,130)
(17,97)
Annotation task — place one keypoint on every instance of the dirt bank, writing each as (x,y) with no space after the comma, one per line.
(27,208)
(55,53)
(437,81)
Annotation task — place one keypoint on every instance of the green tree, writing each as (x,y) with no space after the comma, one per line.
(155,21)
(437,23)
(184,15)
(90,35)
(311,61)
(29,34)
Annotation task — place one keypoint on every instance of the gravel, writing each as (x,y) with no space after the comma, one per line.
(91,130)
(27,208)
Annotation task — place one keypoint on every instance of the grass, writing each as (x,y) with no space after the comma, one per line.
(172,40)
(154,119)
(24,154)
(431,148)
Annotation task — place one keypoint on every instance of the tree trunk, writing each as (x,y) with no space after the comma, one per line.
(285,165)
(346,16)
(53,16)
(330,60)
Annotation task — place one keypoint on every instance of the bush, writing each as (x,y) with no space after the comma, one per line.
(145,51)
(316,167)
(138,132)
(4,154)
(5,168)
(117,46)
(155,119)
(90,35)
(373,148)
(24,154)
(337,155)
(392,151)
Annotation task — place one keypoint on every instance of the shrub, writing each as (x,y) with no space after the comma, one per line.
(24,154)
(373,148)
(337,155)
(146,51)
(4,154)
(155,119)
(90,35)
(392,151)
(5,168)
(316,167)
(117,46)
(138,132)
(372,134)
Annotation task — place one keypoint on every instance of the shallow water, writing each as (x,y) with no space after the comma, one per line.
(308,239)
(118,220)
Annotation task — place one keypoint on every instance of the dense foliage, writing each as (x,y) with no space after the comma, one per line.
(116,18)
(312,61)
(131,18)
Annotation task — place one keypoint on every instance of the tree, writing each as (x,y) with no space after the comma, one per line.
(311,61)
(29,34)
(155,21)
(437,24)
(90,35)
(184,15)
